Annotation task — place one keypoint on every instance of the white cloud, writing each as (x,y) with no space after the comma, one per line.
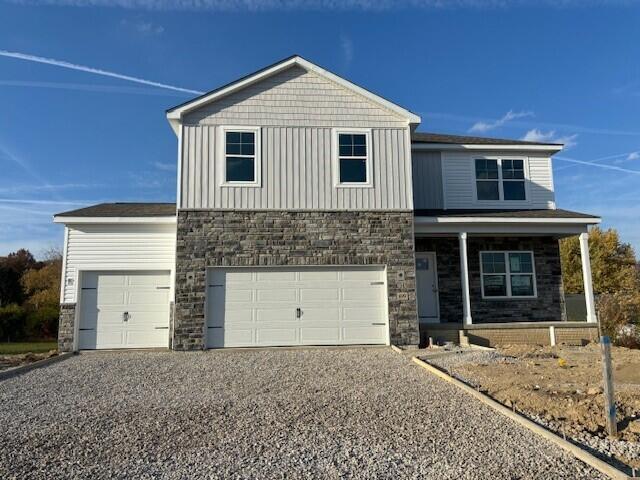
(317,5)
(536,135)
(143,27)
(634,156)
(97,71)
(165,166)
(346,44)
(482,127)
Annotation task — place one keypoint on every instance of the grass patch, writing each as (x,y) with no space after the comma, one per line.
(26,347)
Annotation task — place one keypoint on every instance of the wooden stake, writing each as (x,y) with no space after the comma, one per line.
(607,378)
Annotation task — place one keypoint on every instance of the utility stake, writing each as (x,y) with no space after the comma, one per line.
(633,472)
(607,378)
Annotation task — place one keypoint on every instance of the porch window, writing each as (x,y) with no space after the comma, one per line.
(507,274)
(500,179)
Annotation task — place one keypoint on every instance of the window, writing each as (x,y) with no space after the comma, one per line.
(487,182)
(354,166)
(507,274)
(500,179)
(241,156)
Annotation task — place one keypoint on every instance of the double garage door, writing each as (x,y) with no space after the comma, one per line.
(124,310)
(305,306)
(246,307)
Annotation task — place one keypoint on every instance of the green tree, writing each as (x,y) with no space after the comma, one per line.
(42,285)
(12,267)
(613,263)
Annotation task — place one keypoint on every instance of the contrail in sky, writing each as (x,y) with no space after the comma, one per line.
(599,165)
(97,71)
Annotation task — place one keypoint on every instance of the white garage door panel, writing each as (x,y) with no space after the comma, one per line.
(106,296)
(257,306)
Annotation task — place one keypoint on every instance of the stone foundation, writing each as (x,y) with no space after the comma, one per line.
(66,326)
(209,238)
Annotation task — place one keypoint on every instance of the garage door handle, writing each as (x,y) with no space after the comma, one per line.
(125,316)
(298,312)
(379,323)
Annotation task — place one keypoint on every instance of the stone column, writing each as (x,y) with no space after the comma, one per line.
(586,277)
(464,278)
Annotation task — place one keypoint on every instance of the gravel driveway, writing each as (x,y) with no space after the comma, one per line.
(313,413)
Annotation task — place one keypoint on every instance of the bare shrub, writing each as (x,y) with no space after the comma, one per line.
(619,315)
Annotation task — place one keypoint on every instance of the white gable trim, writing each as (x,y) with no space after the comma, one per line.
(174,116)
(121,220)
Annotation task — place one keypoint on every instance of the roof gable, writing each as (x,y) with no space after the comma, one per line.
(176,114)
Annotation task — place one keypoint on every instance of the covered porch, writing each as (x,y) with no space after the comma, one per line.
(494,277)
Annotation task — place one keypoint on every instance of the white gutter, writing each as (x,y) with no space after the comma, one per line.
(434,220)
(483,147)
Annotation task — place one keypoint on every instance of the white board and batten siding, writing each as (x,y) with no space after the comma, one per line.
(95,247)
(297,172)
(296,112)
(458,174)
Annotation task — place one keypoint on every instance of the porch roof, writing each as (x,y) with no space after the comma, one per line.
(506,214)
(504,221)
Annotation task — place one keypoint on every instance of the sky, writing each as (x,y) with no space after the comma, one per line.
(84,85)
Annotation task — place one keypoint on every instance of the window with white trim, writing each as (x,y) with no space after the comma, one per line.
(500,179)
(507,274)
(241,156)
(354,158)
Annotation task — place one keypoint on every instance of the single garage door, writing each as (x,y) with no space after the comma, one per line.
(124,310)
(265,306)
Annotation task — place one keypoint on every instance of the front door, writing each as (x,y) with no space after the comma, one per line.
(427,283)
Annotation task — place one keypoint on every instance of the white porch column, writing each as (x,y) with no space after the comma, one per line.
(586,277)
(464,277)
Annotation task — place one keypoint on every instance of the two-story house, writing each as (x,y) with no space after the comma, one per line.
(311,212)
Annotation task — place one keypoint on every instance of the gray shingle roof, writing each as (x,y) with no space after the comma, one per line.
(512,213)
(123,210)
(426,137)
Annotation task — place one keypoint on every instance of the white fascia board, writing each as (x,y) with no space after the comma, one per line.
(517,229)
(483,147)
(120,220)
(513,220)
(176,115)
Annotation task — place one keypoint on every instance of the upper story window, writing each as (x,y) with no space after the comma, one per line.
(507,274)
(354,158)
(241,156)
(500,179)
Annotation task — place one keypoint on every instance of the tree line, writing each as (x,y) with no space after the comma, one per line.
(29,295)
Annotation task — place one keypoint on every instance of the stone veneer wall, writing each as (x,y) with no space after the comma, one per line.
(66,325)
(549,306)
(209,238)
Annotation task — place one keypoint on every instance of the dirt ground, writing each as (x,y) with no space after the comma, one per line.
(563,385)
(11,361)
